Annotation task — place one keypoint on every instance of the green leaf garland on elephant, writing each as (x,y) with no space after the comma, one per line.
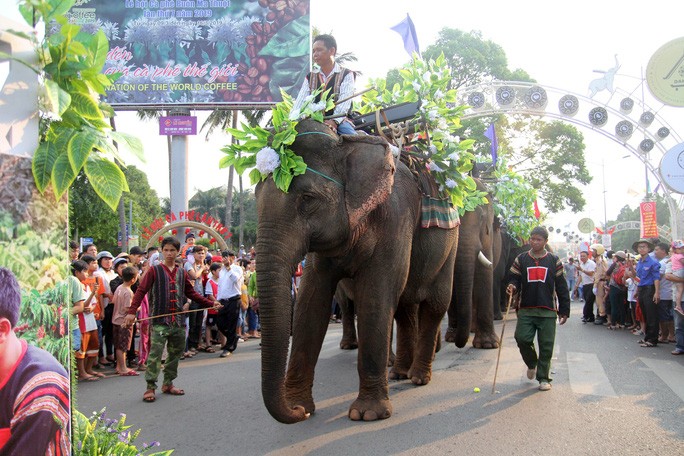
(354,213)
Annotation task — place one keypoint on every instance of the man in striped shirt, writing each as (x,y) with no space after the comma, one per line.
(34,387)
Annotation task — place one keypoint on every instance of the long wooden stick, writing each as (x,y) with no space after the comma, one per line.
(172,314)
(503,328)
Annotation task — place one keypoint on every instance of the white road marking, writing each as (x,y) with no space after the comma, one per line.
(587,375)
(670,372)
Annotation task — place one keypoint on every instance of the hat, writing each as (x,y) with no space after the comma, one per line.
(104,254)
(227,253)
(642,241)
(600,249)
(122,255)
(620,254)
(120,260)
(136,250)
(189,235)
(678,244)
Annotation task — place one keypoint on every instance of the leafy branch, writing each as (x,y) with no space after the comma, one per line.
(74,132)
(448,158)
(268,151)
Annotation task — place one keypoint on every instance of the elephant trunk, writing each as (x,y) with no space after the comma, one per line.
(274,276)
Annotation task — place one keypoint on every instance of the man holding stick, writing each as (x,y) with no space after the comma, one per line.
(538,274)
(168,287)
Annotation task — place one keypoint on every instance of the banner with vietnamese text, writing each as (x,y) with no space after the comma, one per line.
(195,52)
(649,222)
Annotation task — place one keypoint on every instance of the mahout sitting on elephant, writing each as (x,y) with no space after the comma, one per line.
(356,214)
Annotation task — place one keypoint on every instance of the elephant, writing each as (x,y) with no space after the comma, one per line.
(510,248)
(478,252)
(355,213)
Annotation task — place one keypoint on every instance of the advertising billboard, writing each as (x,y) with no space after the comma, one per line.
(200,52)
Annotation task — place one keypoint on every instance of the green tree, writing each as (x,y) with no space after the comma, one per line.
(89,216)
(473,60)
(212,201)
(247,200)
(550,155)
(623,240)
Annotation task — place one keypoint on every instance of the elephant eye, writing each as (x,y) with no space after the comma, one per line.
(308,202)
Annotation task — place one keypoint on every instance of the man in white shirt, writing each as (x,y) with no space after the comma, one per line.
(586,268)
(229,293)
(330,75)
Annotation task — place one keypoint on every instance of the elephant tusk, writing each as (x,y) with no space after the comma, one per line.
(483,259)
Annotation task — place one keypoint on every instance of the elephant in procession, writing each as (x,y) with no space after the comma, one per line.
(355,213)
(479,250)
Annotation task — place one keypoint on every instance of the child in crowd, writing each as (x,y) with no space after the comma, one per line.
(86,356)
(123,335)
(677,260)
(211,291)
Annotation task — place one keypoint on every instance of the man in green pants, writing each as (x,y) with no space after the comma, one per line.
(168,286)
(538,275)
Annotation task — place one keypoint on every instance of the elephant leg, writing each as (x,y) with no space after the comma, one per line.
(375,311)
(485,337)
(407,333)
(312,312)
(430,315)
(349,340)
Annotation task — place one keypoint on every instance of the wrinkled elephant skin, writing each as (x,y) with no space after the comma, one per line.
(473,280)
(355,215)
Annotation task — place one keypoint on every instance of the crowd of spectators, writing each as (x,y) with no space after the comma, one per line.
(639,291)
(103,287)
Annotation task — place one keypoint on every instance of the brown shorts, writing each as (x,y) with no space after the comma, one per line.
(122,337)
(89,345)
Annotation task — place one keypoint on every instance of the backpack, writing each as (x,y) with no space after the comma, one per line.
(619,276)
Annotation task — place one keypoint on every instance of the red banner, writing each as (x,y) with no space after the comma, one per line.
(649,223)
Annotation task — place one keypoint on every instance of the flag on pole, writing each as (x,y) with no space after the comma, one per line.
(537,213)
(491,134)
(407,31)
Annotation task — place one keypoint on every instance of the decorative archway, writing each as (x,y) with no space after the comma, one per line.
(655,136)
(187,219)
(222,244)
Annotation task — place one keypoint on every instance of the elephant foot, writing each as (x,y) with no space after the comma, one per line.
(398,374)
(370,409)
(450,335)
(486,340)
(419,377)
(348,344)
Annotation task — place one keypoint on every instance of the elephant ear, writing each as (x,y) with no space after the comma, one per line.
(370,176)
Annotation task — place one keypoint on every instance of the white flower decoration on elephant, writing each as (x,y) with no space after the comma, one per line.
(267,160)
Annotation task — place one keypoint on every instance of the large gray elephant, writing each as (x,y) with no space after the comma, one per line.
(356,214)
(478,252)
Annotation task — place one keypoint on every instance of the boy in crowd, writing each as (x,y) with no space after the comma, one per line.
(168,286)
(34,387)
(123,335)
(87,324)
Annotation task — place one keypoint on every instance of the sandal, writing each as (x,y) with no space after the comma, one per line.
(648,344)
(149,396)
(172,390)
(209,350)
(662,341)
(130,373)
(89,379)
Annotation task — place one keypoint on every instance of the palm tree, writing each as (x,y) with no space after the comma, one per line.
(210,201)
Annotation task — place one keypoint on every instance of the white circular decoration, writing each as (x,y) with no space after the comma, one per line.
(672,168)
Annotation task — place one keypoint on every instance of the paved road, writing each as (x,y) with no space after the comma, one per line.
(609,396)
